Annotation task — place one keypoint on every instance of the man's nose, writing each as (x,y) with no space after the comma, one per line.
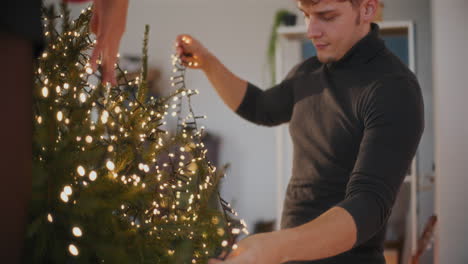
(313,30)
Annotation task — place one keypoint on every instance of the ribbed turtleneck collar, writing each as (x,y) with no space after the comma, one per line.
(364,50)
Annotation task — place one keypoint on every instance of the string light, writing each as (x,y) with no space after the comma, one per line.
(50,218)
(59,116)
(81,171)
(77,232)
(45,92)
(92,176)
(110,165)
(104,116)
(67,190)
(64,197)
(73,250)
(82,97)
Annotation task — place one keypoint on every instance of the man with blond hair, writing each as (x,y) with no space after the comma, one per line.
(355,114)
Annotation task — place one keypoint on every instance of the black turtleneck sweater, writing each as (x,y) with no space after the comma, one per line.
(355,125)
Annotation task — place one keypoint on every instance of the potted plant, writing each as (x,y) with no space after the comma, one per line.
(282,17)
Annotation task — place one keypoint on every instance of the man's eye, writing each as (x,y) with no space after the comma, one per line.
(331,18)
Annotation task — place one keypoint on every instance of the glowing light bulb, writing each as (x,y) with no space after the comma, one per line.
(110,165)
(92,175)
(64,197)
(104,116)
(59,116)
(45,92)
(66,86)
(82,97)
(73,250)
(81,171)
(89,139)
(89,70)
(77,231)
(50,218)
(67,190)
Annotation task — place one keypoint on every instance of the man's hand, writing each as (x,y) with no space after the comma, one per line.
(264,248)
(192,53)
(108,23)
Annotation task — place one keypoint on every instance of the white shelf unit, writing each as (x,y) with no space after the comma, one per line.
(288,54)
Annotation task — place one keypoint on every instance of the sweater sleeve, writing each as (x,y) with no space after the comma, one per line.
(392,113)
(271,107)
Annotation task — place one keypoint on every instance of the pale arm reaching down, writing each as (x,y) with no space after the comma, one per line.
(332,233)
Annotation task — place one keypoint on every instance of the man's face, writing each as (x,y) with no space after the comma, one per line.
(333,27)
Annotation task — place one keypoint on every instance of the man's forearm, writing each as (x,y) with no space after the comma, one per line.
(332,233)
(229,87)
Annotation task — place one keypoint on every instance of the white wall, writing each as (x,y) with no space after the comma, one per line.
(237,32)
(450,41)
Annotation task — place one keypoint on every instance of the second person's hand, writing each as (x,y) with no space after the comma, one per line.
(108,23)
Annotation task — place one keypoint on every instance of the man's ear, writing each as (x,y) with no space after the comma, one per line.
(369,10)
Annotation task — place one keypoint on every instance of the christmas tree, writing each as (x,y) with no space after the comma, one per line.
(110,184)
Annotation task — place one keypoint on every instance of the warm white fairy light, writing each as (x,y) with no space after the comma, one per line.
(39,120)
(64,197)
(81,170)
(82,97)
(67,190)
(77,231)
(110,165)
(104,116)
(45,92)
(66,86)
(59,116)
(73,250)
(92,176)
(89,139)
(50,218)
(89,70)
